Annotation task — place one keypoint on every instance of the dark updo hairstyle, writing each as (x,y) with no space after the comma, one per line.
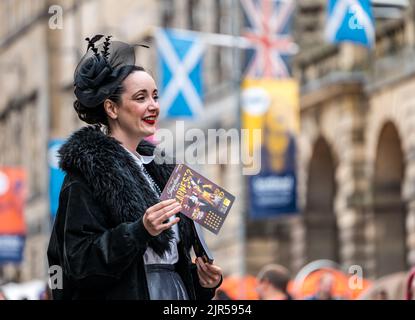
(97,114)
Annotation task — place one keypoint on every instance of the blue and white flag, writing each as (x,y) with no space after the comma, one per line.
(56,175)
(180,80)
(350,20)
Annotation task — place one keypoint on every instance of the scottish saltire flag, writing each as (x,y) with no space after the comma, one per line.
(350,20)
(56,175)
(269,30)
(180,57)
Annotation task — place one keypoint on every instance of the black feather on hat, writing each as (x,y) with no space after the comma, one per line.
(102,69)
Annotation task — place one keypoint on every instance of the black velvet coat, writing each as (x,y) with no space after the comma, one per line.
(98,237)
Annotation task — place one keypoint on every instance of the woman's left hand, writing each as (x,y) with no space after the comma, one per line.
(209,274)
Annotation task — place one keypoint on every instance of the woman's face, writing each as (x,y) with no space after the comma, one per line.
(139,109)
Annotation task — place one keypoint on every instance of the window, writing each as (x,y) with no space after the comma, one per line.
(21,144)
(167,10)
(194,14)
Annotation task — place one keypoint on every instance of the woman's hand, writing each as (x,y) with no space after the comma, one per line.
(155,216)
(209,274)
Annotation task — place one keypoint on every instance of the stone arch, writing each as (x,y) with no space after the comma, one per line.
(389,210)
(319,216)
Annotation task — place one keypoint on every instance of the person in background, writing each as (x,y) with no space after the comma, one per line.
(272,283)
(2,295)
(381,295)
(221,295)
(410,285)
(46,294)
(325,290)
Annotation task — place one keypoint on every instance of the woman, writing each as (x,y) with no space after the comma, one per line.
(112,236)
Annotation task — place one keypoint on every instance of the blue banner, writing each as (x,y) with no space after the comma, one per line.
(350,20)
(11,248)
(273,194)
(56,175)
(273,107)
(180,56)
(274,190)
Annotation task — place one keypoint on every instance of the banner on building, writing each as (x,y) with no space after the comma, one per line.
(12,223)
(273,106)
(180,57)
(350,20)
(268,27)
(56,175)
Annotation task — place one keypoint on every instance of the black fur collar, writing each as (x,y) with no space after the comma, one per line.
(115,179)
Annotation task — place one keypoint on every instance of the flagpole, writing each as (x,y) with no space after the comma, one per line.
(236,45)
(214,39)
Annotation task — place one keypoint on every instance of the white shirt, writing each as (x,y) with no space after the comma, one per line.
(150,257)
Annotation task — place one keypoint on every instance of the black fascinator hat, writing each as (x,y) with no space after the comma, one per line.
(102,69)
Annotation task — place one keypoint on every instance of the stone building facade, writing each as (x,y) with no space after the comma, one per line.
(24,101)
(355,151)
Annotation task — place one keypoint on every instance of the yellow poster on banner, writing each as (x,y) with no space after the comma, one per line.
(273,106)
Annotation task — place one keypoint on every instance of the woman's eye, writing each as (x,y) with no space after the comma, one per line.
(156,97)
(140,99)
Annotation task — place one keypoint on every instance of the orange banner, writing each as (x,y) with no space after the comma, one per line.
(12,200)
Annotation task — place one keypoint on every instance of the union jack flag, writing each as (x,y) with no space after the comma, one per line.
(269,27)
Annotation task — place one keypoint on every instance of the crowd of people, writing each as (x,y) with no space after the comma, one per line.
(275,282)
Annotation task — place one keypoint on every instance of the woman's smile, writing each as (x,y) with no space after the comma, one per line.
(151,120)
